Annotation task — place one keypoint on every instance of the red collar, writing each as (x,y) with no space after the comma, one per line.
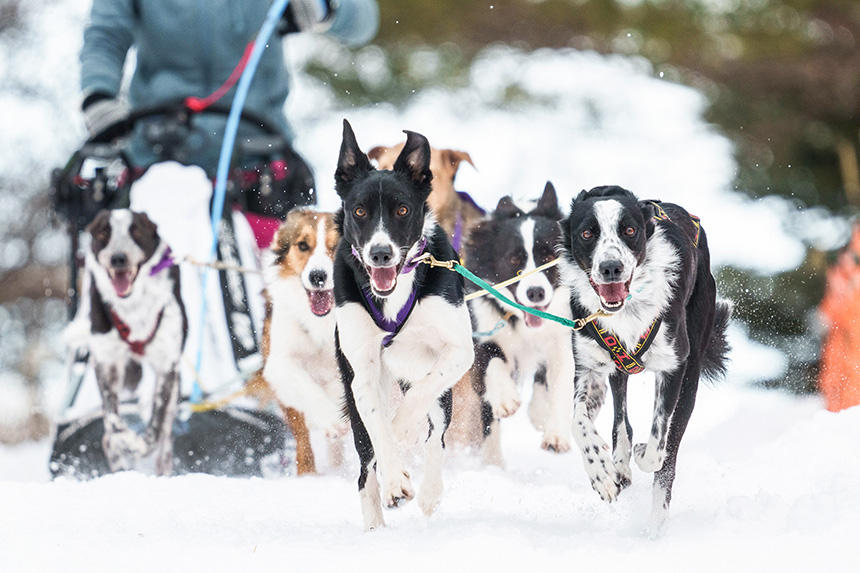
(137,346)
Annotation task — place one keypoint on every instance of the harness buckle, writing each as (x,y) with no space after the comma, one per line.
(429,259)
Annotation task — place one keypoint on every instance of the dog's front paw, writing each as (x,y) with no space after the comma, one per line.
(510,402)
(555,442)
(648,459)
(624,474)
(123,448)
(336,429)
(398,490)
(605,479)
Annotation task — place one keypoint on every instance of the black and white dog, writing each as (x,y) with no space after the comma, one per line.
(403,332)
(134,314)
(645,264)
(511,344)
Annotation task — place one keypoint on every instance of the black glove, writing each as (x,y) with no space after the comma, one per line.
(307,16)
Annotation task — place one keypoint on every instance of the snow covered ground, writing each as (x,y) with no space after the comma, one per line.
(766,482)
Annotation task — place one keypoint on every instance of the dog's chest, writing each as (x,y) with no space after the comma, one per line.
(659,357)
(421,343)
(146,325)
(527,347)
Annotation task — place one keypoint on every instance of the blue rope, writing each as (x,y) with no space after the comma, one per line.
(219,194)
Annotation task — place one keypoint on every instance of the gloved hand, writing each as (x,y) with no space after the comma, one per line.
(101,110)
(307,16)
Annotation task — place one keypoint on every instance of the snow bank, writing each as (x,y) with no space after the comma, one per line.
(766,482)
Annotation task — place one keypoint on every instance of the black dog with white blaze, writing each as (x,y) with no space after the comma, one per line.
(134,314)
(511,344)
(646,265)
(403,332)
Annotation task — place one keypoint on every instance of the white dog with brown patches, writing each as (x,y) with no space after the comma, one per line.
(299,336)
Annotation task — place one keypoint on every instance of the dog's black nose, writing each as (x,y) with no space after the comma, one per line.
(317,278)
(611,270)
(535,294)
(119,260)
(381,255)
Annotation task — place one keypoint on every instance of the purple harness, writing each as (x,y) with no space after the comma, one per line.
(389,325)
(165,262)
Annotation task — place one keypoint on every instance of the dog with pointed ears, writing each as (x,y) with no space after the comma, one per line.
(403,335)
(645,266)
(511,344)
(133,314)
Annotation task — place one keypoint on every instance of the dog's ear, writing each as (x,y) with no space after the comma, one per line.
(453,158)
(649,211)
(547,205)
(102,218)
(352,164)
(147,223)
(507,209)
(414,160)
(564,224)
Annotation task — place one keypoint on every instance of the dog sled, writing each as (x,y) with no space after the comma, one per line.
(218,429)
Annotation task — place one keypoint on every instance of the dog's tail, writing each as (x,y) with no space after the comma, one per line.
(716,356)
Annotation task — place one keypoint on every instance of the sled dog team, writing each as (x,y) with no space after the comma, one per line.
(357,322)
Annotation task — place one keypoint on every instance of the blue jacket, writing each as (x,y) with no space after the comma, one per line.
(189,48)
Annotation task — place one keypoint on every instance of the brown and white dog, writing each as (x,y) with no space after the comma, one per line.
(131,314)
(298,333)
(457,213)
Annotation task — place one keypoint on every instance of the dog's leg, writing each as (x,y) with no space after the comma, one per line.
(682,409)
(667,387)
(588,396)
(622,432)
(560,389)
(121,445)
(539,405)
(431,487)
(665,476)
(295,388)
(502,392)
(159,432)
(451,363)
(359,360)
(368,486)
(335,452)
(305,463)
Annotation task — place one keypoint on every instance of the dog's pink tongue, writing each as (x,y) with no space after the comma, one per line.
(122,283)
(383,277)
(533,321)
(321,301)
(613,292)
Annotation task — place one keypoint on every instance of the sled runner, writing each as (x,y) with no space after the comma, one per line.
(267,179)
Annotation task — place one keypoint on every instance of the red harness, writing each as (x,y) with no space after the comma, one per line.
(124,331)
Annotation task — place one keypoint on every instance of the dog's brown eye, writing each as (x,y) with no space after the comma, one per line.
(586,234)
(402,211)
(303,246)
(360,212)
(630,231)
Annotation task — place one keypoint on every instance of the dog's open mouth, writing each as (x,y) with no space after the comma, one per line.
(122,281)
(531,320)
(612,295)
(383,279)
(321,301)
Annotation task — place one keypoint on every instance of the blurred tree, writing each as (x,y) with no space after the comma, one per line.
(782,74)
